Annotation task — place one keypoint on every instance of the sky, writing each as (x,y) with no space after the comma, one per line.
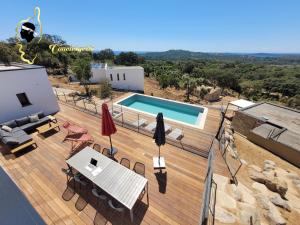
(269,26)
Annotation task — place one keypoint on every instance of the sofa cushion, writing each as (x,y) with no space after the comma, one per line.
(24,138)
(11,123)
(18,133)
(29,126)
(4,133)
(33,118)
(22,121)
(6,128)
(10,141)
(16,129)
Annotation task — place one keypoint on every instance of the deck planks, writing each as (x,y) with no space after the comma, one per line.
(37,172)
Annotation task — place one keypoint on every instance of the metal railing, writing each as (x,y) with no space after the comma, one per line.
(207,213)
(132,120)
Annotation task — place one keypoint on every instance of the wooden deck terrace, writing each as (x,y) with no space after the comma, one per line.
(174,195)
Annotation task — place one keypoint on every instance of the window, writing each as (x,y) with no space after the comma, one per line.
(124,78)
(23,99)
(111,78)
(118,76)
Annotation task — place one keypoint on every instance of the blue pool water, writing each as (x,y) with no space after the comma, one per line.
(173,110)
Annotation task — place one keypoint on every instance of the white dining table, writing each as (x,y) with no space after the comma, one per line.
(121,183)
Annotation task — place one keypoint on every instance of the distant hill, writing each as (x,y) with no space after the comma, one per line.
(188,55)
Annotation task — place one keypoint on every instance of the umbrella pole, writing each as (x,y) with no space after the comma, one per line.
(111,147)
(158,155)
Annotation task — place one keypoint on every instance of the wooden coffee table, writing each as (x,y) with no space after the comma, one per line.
(47,127)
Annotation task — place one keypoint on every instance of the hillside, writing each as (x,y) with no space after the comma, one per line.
(251,57)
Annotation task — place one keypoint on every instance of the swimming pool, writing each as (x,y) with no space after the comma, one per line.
(179,112)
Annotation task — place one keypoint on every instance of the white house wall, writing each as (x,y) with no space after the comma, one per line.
(134,78)
(98,75)
(33,82)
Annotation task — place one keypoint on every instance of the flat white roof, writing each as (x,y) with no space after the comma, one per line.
(2,67)
(125,67)
(18,66)
(241,103)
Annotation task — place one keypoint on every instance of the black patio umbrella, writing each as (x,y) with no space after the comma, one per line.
(159,135)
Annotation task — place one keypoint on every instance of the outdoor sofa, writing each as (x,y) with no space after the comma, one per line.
(17,138)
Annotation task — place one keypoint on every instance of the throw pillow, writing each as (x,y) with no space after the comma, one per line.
(34,118)
(6,128)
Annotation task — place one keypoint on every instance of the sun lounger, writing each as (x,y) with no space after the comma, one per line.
(152,126)
(139,123)
(73,129)
(79,139)
(176,134)
(115,114)
(167,127)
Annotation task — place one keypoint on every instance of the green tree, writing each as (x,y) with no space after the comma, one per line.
(188,68)
(294,102)
(127,59)
(203,92)
(7,53)
(228,80)
(189,83)
(104,55)
(148,69)
(82,70)
(105,89)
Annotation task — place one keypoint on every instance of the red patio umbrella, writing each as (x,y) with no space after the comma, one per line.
(108,125)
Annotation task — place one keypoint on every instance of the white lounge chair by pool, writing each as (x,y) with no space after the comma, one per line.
(150,127)
(167,127)
(176,134)
(139,123)
(115,114)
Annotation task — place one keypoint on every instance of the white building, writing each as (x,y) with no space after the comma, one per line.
(120,77)
(24,90)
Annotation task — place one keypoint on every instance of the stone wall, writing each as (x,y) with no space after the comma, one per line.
(243,123)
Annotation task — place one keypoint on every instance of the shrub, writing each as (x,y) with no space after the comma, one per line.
(203,92)
(105,89)
(294,102)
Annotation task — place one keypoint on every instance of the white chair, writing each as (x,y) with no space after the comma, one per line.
(115,114)
(150,127)
(167,127)
(139,123)
(176,134)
